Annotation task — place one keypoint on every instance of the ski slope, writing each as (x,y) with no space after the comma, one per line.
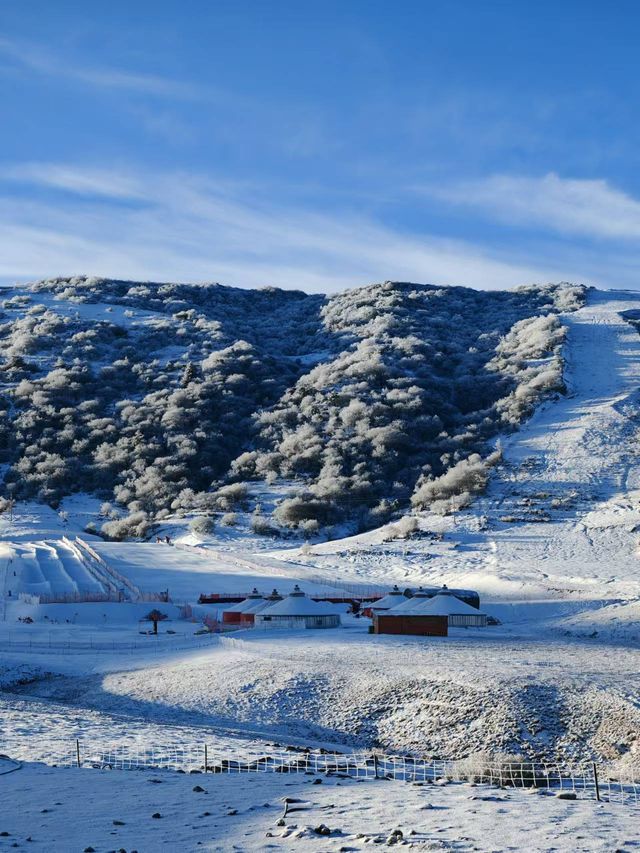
(46,568)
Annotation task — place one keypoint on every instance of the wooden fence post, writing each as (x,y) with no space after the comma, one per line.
(375,765)
(78,753)
(595,777)
(206,760)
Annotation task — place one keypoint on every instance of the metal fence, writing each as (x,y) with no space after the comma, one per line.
(585,781)
(152,643)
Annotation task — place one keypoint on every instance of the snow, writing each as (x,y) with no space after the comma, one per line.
(189,572)
(48,567)
(73,809)
(506,689)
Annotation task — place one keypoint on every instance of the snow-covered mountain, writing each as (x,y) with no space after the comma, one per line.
(164,398)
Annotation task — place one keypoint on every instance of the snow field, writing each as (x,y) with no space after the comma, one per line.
(188,571)
(482,690)
(70,810)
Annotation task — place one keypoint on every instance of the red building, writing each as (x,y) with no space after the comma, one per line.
(422,626)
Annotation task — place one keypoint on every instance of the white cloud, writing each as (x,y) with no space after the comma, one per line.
(187,227)
(38,60)
(91,182)
(590,208)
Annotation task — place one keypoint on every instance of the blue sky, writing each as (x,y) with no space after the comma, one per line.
(321,145)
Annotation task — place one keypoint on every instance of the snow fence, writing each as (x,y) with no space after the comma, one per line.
(594,781)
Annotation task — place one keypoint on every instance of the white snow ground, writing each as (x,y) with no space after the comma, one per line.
(73,810)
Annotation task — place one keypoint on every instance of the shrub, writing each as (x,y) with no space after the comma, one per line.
(137,525)
(466,478)
(511,771)
(203,525)
(404,528)
(228,497)
(262,527)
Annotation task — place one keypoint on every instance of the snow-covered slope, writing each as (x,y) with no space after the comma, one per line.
(46,568)
(562,509)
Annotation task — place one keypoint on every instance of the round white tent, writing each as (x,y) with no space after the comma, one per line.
(391,599)
(296,610)
(408,605)
(459,613)
(234,612)
(254,606)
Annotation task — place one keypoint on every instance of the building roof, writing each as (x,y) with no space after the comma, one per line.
(445,603)
(405,605)
(391,599)
(254,605)
(298,604)
(261,605)
(244,606)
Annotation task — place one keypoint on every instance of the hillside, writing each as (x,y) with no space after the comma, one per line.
(560,516)
(167,398)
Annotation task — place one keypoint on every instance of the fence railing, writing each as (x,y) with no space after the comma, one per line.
(589,780)
(84,597)
(152,643)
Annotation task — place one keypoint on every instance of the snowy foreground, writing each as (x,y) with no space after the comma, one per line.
(73,810)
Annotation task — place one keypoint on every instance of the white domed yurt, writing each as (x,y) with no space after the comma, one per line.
(459,614)
(247,616)
(297,610)
(233,615)
(408,605)
(391,599)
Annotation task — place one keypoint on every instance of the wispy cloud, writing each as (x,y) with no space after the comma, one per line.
(569,206)
(189,227)
(38,60)
(90,182)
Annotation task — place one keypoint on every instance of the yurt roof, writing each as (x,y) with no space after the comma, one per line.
(407,604)
(391,599)
(253,605)
(445,603)
(259,606)
(243,606)
(298,604)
